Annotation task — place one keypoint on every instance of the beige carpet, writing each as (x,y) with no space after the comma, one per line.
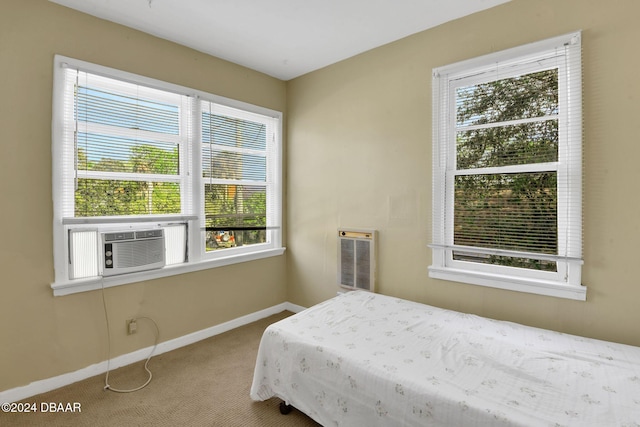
(204,384)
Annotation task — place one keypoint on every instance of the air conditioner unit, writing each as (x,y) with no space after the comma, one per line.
(357,259)
(132,250)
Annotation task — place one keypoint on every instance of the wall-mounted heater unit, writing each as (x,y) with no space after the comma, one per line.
(132,250)
(357,259)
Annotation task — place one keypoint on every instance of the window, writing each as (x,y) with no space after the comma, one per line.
(133,153)
(507,170)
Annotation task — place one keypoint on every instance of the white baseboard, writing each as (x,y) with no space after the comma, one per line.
(293,307)
(43,386)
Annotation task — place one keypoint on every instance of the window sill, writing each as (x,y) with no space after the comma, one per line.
(532,286)
(82,285)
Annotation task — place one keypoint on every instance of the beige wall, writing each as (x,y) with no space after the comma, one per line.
(44,336)
(360,156)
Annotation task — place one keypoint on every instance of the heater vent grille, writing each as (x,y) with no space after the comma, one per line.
(357,259)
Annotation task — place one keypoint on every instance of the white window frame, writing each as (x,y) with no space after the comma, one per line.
(566,282)
(192,215)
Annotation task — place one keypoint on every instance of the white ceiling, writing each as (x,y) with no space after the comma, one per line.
(281,38)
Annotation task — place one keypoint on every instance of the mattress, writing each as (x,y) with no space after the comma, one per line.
(364,359)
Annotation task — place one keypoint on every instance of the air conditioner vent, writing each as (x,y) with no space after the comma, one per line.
(131,251)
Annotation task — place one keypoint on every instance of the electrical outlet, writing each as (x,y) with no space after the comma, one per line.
(132,326)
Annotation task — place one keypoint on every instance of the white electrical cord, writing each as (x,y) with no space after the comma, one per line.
(106,378)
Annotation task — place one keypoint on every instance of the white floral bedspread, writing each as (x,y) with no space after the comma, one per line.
(365,360)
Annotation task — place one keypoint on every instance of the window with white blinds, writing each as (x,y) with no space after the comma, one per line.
(131,152)
(237,176)
(507,169)
(129,146)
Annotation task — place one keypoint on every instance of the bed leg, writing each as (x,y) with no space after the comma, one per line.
(285,409)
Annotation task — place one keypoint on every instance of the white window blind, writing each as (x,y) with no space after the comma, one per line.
(238,157)
(128,151)
(507,169)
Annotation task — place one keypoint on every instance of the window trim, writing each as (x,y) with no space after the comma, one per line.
(566,282)
(198,258)
(274,203)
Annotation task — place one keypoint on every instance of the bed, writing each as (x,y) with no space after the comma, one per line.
(365,359)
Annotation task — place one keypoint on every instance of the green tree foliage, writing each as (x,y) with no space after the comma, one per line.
(229,208)
(512,211)
(104,197)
